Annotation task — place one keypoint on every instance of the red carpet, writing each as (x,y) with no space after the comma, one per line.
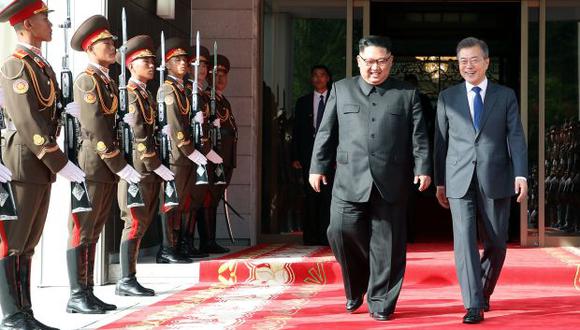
(296,287)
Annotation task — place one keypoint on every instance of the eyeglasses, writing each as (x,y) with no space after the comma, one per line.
(472,61)
(381,62)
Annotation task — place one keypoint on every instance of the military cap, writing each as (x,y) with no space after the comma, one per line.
(140,46)
(174,47)
(16,11)
(203,52)
(222,63)
(95,28)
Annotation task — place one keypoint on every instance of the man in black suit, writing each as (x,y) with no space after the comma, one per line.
(307,117)
(374,125)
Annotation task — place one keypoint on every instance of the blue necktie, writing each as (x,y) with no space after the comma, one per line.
(319,112)
(477,107)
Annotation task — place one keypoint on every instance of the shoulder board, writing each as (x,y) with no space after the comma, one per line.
(131,88)
(90,71)
(169,82)
(20,53)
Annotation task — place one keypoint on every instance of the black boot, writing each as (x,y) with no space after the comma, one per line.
(128,285)
(186,247)
(210,246)
(24,263)
(91,279)
(79,301)
(167,253)
(14,317)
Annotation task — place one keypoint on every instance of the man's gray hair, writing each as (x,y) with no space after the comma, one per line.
(472,42)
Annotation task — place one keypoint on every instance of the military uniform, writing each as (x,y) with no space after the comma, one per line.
(32,155)
(178,105)
(202,177)
(145,161)
(227,149)
(99,156)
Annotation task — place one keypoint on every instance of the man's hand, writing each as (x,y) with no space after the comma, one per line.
(315,180)
(425,181)
(443,201)
(521,188)
(296,165)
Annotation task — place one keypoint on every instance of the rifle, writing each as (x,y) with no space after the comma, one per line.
(80,201)
(170,191)
(201,176)
(7,205)
(215,133)
(134,196)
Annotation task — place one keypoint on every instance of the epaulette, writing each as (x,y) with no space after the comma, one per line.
(169,82)
(90,71)
(131,87)
(20,53)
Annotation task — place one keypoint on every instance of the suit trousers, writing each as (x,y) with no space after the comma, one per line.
(477,274)
(85,227)
(20,237)
(316,212)
(368,240)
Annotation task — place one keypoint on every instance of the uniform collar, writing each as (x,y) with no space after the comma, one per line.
(176,80)
(102,69)
(140,84)
(33,49)
(366,88)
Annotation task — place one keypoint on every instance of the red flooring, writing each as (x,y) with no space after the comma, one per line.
(293,287)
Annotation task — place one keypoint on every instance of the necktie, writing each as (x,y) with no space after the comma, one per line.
(319,112)
(477,107)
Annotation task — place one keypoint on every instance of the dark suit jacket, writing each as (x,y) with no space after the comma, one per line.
(380,139)
(497,152)
(303,130)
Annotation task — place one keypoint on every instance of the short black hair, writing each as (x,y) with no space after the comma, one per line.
(320,67)
(377,41)
(472,42)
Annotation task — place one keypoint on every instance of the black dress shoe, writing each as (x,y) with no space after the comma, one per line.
(353,304)
(473,316)
(128,286)
(168,255)
(486,305)
(18,321)
(381,316)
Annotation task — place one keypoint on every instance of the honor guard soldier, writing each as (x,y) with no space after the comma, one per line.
(185,158)
(140,61)
(226,145)
(200,129)
(96,99)
(31,153)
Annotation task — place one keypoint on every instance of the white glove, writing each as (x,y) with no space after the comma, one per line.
(213,157)
(217,123)
(73,109)
(1,97)
(5,174)
(164,173)
(129,174)
(130,118)
(166,130)
(198,158)
(72,172)
(198,118)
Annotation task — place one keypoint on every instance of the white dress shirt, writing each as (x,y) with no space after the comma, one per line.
(471,98)
(471,94)
(315,101)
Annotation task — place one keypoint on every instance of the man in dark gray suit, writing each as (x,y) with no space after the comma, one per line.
(480,160)
(374,126)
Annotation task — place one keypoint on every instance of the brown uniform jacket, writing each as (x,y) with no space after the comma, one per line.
(31,93)
(145,157)
(229,131)
(178,105)
(99,155)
